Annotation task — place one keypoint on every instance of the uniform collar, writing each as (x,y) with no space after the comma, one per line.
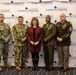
(19,25)
(3,23)
(49,23)
(63,22)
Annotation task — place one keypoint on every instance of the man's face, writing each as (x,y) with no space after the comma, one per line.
(20,21)
(48,19)
(1,18)
(62,17)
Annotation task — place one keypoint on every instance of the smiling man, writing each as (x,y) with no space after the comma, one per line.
(49,34)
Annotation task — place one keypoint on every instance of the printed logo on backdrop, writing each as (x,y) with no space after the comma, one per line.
(4,10)
(42,16)
(66,1)
(71,15)
(26,9)
(74,29)
(12,16)
(41,1)
(55,8)
(12,2)
(73,43)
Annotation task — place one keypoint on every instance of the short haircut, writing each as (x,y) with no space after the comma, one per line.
(20,17)
(1,14)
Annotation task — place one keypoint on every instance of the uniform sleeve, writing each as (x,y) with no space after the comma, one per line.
(9,34)
(68,33)
(52,34)
(15,34)
(26,33)
(41,35)
(2,37)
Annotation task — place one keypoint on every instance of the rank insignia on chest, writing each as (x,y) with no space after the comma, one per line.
(50,27)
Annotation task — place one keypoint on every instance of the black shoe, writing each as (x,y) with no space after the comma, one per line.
(36,67)
(60,68)
(64,70)
(46,67)
(33,68)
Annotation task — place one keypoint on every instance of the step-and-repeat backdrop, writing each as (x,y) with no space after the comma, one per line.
(40,8)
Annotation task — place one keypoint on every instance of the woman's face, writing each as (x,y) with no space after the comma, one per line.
(34,22)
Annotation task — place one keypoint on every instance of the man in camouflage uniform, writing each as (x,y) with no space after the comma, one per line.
(64,29)
(20,42)
(5,34)
(49,34)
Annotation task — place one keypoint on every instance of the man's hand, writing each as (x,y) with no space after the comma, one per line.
(59,39)
(6,39)
(44,40)
(23,39)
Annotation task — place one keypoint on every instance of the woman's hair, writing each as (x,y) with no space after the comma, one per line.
(34,18)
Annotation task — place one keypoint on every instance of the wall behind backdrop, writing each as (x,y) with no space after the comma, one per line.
(40,8)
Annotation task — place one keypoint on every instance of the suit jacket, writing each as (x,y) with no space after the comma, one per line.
(64,31)
(49,33)
(38,37)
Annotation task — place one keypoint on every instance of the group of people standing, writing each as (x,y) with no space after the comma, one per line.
(30,39)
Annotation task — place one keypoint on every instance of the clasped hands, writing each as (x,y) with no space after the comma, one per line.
(59,39)
(34,43)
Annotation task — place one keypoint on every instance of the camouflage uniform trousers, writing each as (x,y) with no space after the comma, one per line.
(20,50)
(63,54)
(4,51)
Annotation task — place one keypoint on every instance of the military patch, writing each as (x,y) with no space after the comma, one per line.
(58,25)
(50,27)
(46,25)
(70,29)
(64,26)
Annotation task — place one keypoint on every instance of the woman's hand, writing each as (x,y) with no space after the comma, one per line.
(36,43)
(32,42)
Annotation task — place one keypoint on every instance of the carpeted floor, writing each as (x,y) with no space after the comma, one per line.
(41,71)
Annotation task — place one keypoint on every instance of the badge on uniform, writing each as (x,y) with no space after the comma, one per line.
(70,29)
(58,25)
(50,27)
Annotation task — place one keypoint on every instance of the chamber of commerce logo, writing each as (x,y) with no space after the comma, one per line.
(4,10)
(40,1)
(66,1)
(12,2)
(55,8)
(71,15)
(26,9)
(42,16)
